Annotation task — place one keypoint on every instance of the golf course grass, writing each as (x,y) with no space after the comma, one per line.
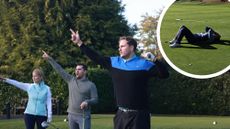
(157,122)
(196,16)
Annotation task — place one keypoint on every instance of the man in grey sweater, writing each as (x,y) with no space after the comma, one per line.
(82,94)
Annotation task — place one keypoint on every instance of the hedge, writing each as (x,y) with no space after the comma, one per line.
(176,95)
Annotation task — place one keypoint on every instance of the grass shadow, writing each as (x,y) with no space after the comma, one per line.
(207,46)
(224,42)
(199,46)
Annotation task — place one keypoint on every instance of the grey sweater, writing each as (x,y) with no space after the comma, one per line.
(79,90)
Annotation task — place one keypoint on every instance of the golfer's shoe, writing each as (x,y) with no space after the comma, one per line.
(172,41)
(175,45)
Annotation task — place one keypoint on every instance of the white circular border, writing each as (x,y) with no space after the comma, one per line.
(170,63)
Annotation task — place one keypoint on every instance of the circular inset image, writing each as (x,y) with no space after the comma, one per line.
(194,37)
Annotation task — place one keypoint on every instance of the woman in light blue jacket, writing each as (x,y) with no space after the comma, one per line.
(39,107)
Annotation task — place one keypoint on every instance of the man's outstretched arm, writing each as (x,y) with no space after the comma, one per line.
(159,69)
(66,76)
(94,56)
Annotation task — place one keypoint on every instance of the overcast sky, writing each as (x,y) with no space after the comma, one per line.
(134,9)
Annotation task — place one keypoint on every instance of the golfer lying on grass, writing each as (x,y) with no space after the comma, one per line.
(205,38)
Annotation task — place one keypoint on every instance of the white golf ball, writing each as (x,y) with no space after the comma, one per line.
(214,122)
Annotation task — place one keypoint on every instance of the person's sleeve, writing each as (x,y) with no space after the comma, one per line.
(20,85)
(49,105)
(66,76)
(94,96)
(94,56)
(159,70)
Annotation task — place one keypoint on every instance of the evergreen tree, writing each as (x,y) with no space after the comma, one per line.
(29,26)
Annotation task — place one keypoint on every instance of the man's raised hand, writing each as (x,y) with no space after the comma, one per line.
(75,37)
(45,55)
(2,78)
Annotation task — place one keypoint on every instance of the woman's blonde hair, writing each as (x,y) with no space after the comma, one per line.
(40,72)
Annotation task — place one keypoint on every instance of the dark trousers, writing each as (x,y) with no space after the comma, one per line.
(30,121)
(185,32)
(132,120)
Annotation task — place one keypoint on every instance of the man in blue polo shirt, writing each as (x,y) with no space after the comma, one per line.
(130,74)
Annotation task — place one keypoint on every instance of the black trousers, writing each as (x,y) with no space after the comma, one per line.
(132,120)
(30,121)
(185,32)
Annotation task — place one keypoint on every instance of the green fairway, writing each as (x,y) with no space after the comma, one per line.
(190,58)
(157,122)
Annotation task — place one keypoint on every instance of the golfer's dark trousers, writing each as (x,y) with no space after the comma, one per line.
(30,121)
(132,120)
(185,32)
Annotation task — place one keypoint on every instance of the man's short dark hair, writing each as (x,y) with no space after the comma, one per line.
(83,66)
(130,41)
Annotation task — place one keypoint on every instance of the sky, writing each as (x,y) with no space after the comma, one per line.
(134,9)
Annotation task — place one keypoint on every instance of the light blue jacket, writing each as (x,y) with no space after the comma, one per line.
(39,102)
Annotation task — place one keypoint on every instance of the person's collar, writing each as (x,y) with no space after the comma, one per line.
(82,79)
(133,57)
(41,83)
